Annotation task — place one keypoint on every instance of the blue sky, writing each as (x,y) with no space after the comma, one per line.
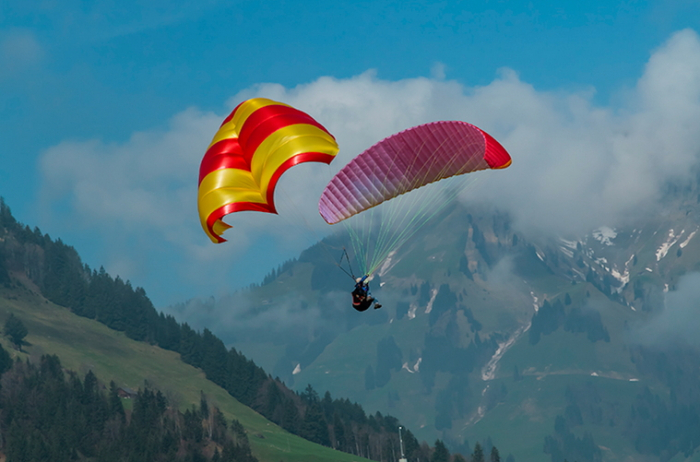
(106,108)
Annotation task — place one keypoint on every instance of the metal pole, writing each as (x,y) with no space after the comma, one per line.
(403,457)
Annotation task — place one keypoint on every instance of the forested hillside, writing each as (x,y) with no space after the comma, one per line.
(53,414)
(55,269)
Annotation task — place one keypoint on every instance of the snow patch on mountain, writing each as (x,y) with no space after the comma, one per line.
(534,301)
(690,236)
(388,264)
(670,241)
(568,247)
(489,371)
(570,244)
(412,311)
(624,276)
(604,235)
(415,368)
(433,294)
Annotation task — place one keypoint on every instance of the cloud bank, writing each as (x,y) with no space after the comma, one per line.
(678,324)
(576,166)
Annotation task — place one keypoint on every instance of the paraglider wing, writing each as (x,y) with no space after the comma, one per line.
(254,146)
(406,161)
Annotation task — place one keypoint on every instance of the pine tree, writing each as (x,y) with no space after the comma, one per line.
(478,454)
(16,330)
(440,454)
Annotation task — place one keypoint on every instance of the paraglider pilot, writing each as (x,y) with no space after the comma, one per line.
(361,297)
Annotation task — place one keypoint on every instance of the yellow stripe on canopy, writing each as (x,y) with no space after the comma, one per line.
(284,144)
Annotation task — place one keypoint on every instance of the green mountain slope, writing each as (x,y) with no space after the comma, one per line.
(549,347)
(83,344)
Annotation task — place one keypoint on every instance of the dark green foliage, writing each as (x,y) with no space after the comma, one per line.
(444,301)
(452,401)
(665,426)
(588,321)
(478,454)
(5,279)
(443,353)
(464,267)
(275,273)
(547,319)
(551,316)
(424,294)
(51,415)
(495,394)
(402,310)
(475,325)
(440,453)
(15,329)
(412,449)
(495,456)
(314,427)
(564,444)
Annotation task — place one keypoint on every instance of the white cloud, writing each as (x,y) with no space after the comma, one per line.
(678,324)
(576,166)
(239,316)
(143,185)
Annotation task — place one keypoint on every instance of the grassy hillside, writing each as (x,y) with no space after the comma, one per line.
(83,344)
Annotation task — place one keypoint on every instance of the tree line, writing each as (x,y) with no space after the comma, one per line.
(552,316)
(52,414)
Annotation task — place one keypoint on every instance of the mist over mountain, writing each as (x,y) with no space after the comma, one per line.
(580,345)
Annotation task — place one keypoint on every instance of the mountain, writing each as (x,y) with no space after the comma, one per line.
(579,347)
(98,323)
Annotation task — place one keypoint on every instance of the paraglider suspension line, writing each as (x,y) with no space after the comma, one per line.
(340,263)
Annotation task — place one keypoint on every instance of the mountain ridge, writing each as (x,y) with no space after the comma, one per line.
(565,310)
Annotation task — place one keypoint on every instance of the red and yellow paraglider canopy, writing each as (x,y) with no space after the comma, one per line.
(254,146)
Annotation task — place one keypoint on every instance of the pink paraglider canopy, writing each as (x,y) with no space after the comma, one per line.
(406,161)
